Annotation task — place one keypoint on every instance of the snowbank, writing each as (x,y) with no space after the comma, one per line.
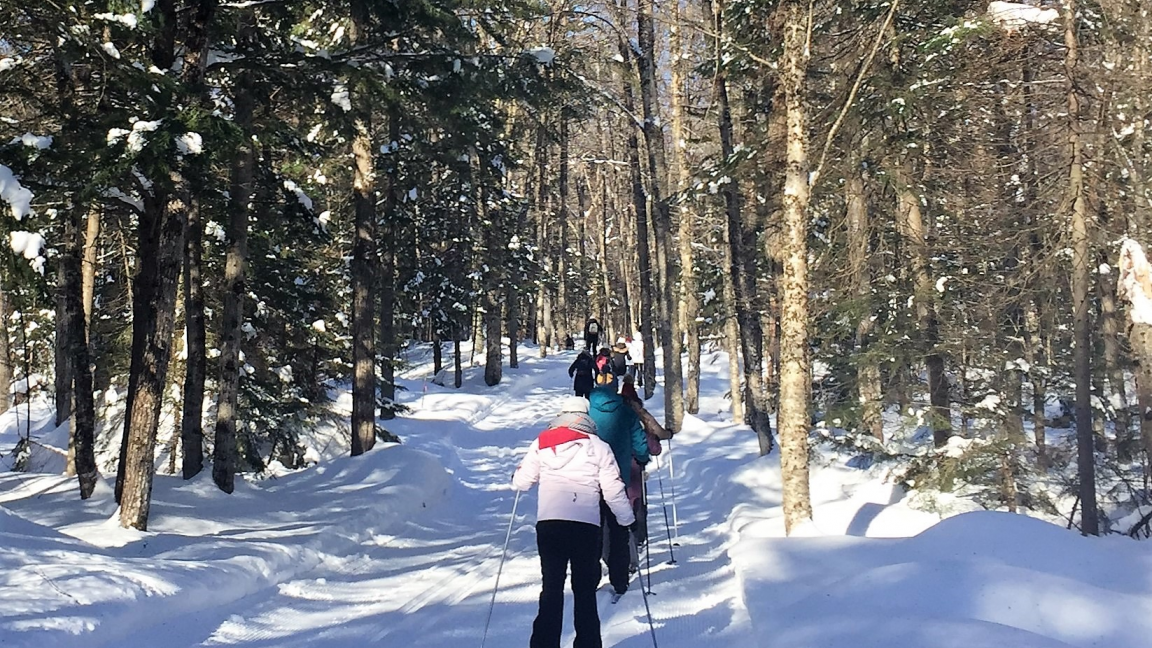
(203,550)
(978,579)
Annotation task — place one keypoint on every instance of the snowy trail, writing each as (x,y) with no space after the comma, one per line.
(429,582)
(401,548)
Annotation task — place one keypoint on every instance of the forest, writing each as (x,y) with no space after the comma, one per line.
(219,211)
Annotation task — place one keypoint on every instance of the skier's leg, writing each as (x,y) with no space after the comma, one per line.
(551,541)
(617,551)
(585,579)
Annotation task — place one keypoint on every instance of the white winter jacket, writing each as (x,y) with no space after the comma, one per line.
(573,469)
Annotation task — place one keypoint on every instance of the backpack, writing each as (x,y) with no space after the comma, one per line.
(593,328)
(601,363)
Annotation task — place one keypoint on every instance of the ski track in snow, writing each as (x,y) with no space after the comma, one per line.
(429,583)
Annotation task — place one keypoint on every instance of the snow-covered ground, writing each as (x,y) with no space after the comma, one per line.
(401,548)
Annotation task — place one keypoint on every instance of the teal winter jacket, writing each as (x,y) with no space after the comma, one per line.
(619,427)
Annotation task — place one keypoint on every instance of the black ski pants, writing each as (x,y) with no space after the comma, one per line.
(617,554)
(560,543)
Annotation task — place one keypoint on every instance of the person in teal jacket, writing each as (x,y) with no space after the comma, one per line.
(620,428)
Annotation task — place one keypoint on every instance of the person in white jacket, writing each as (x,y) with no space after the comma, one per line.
(574,469)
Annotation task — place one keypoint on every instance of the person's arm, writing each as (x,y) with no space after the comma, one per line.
(528,472)
(639,442)
(572,367)
(612,487)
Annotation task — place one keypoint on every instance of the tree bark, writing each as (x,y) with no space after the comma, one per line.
(196,366)
(868,385)
(160,251)
(689,300)
(913,231)
(83,416)
(387,283)
(1110,331)
(669,332)
(91,263)
(640,213)
(5,354)
(743,270)
(794,417)
(1081,283)
(241,192)
(363,269)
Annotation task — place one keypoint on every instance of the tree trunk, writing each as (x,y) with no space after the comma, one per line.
(794,417)
(83,417)
(5,354)
(159,274)
(1081,284)
(868,385)
(689,300)
(240,192)
(388,277)
(743,269)
(363,269)
(913,232)
(91,263)
(640,213)
(156,283)
(669,333)
(457,361)
(192,419)
(1110,331)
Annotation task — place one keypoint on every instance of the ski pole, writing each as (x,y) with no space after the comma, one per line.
(492,605)
(672,485)
(647,609)
(664,507)
(647,539)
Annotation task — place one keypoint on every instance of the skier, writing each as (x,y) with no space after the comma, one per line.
(636,350)
(578,478)
(620,358)
(592,334)
(584,370)
(603,360)
(653,433)
(620,428)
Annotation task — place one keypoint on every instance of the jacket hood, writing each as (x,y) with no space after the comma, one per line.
(605,399)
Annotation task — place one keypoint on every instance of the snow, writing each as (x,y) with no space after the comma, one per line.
(128,20)
(543,54)
(1013,15)
(341,98)
(190,144)
(30,245)
(111,50)
(18,197)
(301,197)
(1135,283)
(7,63)
(39,142)
(147,5)
(401,547)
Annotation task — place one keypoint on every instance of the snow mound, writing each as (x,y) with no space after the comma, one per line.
(977,579)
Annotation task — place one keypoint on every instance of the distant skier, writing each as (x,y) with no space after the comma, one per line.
(620,428)
(583,369)
(603,360)
(620,358)
(592,334)
(569,343)
(636,350)
(579,478)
